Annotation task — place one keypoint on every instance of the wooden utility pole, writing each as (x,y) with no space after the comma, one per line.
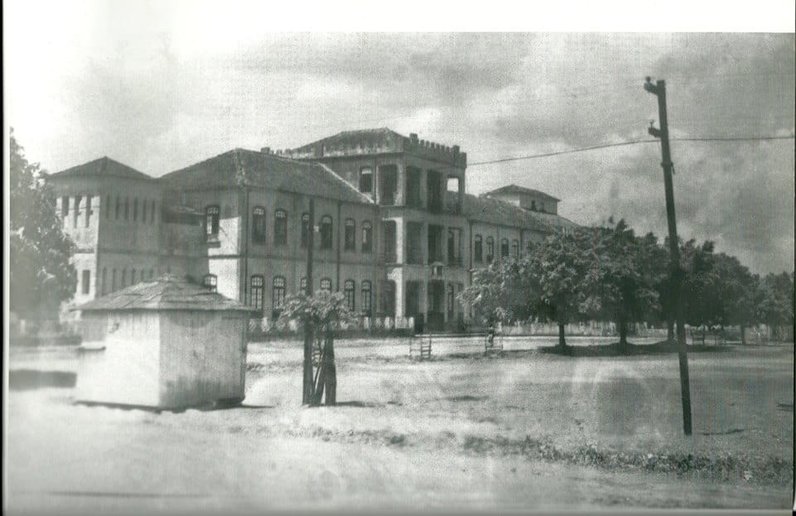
(307,384)
(659,89)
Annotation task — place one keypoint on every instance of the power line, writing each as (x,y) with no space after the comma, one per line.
(631,142)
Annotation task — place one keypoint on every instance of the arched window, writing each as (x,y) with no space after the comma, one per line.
(210,281)
(451,296)
(124,278)
(258,225)
(113,280)
(78,199)
(305,229)
(104,285)
(366,180)
(478,249)
(87,221)
(144,205)
(349,293)
(515,248)
(152,213)
(86,281)
(280,227)
(118,206)
(367,237)
(151,273)
(126,208)
(132,277)
(490,249)
(303,286)
(529,247)
(107,206)
(326,284)
(367,298)
(326,232)
(504,248)
(278,295)
(135,209)
(256,292)
(350,238)
(211,222)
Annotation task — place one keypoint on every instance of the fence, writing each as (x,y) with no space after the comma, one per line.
(267,327)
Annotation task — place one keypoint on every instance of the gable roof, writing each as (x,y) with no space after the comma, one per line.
(379,138)
(516,189)
(493,211)
(168,292)
(103,166)
(241,167)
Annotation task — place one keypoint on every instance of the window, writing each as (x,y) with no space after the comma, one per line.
(256,292)
(367,297)
(478,249)
(515,248)
(305,229)
(366,180)
(326,232)
(504,248)
(349,293)
(152,214)
(107,206)
(258,225)
(86,281)
(113,280)
(210,281)
(367,237)
(211,222)
(326,285)
(151,273)
(451,297)
(529,247)
(303,286)
(278,295)
(104,285)
(126,208)
(132,277)
(88,210)
(144,204)
(490,249)
(124,278)
(64,207)
(533,205)
(350,238)
(135,209)
(280,227)
(118,206)
(77,210)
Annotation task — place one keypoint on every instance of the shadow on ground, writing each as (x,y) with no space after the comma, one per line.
(614,350)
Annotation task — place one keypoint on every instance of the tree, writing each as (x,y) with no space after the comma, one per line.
(42,276)
(495,292)
(323,312)
(555,270)
(622,271)
(777,302)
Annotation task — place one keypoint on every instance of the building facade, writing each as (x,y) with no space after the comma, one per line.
(393,228)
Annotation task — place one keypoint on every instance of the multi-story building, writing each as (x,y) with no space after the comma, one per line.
(393,228)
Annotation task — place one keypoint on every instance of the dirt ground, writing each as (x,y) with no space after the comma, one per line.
(521,430)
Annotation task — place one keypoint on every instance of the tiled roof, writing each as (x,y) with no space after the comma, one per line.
(510,189)
(104,166)
(381,137)
(168,292)
(485,209)
(252,168)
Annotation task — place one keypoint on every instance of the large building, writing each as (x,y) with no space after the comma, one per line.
(393,227)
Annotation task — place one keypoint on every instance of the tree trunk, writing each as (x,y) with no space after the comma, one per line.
(320,376)
(743,335)
(622,334)
(307,384)
(562,341)
(670,330)
(330,378)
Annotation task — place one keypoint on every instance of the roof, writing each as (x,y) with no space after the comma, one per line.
(484,209)
(241,167)
(381,137)
(515,189)
(168,292)
(104,166)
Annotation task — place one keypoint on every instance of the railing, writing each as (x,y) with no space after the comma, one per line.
(268,325)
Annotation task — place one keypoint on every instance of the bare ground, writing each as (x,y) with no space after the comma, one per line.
(517,430)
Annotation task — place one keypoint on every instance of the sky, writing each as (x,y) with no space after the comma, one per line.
(161,85)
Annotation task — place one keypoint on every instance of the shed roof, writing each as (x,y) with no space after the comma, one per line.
(167,292)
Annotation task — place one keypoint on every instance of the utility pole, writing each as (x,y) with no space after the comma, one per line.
(307,384)
(659,89)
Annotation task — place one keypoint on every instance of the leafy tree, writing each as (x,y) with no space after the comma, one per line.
(323,313)
(42,276)
(776,305)
(495,292)
(622,271)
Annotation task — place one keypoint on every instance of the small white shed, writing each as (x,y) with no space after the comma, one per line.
(168,343)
